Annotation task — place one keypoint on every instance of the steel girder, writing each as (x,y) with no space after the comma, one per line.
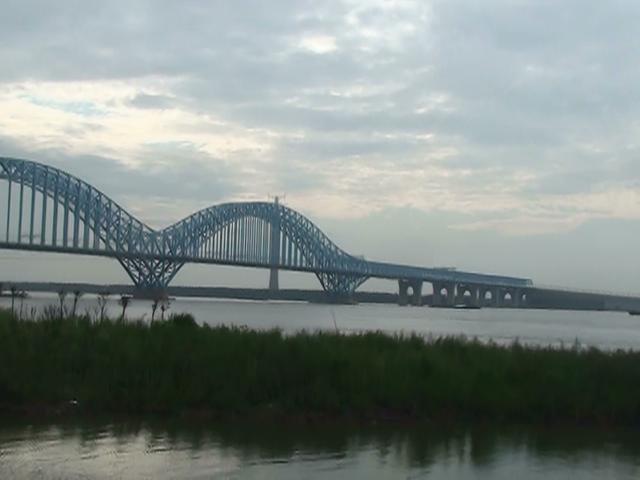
(340,287)
(150,274)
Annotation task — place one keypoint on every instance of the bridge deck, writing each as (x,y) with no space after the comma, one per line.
(50,210)
(380,270)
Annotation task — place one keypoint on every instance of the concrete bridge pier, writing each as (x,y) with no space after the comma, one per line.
(487,296)
(504,297)
(468,295)
(413,297)
(509,297)
(500,293)
(444,294)
(515,298)
(273,280)
(519,298)
(148,293)
(522,298)
(274,249)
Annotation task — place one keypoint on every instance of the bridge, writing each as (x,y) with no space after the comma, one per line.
(49,210)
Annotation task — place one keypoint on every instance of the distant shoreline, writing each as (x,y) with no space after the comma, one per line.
(538,298)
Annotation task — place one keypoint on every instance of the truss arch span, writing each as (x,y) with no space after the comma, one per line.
(50,209)
(267,235)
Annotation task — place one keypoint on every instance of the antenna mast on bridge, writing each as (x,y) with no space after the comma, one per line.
(277,199)
(274,256)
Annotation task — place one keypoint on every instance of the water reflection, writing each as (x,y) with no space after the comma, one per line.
(240,449)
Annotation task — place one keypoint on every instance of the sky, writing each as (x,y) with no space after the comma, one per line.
(497,136)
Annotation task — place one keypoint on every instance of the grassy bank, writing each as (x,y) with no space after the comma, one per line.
(176,366)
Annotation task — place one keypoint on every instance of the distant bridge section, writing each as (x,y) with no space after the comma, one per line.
(49,210)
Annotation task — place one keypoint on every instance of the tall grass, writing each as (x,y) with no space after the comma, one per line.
(176,365)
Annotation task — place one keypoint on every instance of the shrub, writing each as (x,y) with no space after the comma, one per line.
(183,320)
(176,365)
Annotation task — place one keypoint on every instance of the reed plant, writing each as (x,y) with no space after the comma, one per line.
(177,365)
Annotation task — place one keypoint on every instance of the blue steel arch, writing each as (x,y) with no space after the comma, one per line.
(75,217)
(264,234)
(282,238)
(91,222)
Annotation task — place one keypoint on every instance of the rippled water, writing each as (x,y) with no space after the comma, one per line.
(153,450)
(603,329)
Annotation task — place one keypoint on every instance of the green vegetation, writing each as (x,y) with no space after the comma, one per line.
(175,366)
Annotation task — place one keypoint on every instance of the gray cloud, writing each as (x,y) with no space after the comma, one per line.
(521,81)
(183,177)
(150,101)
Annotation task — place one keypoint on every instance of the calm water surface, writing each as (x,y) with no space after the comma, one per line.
(242,451)
(168,449)
(602,329)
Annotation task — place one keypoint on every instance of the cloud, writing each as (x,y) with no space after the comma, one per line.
(183,180)
(150,101)
(319,44)
(506,110)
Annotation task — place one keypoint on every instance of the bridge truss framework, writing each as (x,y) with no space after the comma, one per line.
(47,209)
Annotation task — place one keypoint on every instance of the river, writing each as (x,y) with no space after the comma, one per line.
(238,450)
(126,449)
(607,330)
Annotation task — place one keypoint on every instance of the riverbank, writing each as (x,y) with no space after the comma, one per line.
(177,367)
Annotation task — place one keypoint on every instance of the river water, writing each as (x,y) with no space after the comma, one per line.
(607,330)
(238,449)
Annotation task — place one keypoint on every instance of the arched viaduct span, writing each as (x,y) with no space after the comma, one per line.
(47,209)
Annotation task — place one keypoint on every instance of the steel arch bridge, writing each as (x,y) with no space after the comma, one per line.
(47,209)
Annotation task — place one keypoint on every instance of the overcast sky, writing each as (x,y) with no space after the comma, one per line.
(498,136)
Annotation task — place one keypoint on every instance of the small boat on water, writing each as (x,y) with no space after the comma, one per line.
(464,306)
(459,306)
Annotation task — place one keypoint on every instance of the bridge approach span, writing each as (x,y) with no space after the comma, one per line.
(47,209)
